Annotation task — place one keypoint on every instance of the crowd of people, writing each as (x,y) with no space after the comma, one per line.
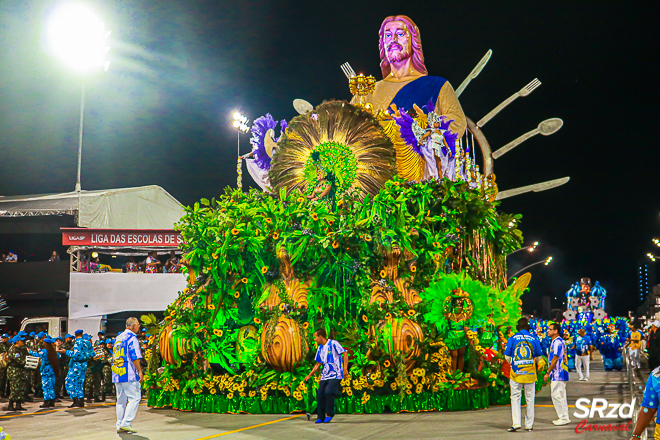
(77,366)
(569,346)
(9,257)
(151,264)
(609,336)
(12,257)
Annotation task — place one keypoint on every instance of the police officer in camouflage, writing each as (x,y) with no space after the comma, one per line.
(108,388)
(16,373)
(93,379)
(64,362)
(4,348)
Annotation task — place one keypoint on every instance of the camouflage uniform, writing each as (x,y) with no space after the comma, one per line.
(16,372)
(107,374)
(4,348)
(93,378)
(64,367)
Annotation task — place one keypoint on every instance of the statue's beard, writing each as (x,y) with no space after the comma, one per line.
(397,53)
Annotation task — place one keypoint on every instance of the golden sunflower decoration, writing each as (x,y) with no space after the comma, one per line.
(336,143)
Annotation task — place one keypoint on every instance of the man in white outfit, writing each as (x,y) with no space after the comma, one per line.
(127,375)
(523,352)
(558,371)
(582,354)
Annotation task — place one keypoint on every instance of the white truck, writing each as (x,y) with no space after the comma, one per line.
(59,326)
(100,300)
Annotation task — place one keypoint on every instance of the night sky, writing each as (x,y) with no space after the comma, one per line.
(162,113)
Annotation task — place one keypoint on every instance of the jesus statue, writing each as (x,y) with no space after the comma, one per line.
(405,79)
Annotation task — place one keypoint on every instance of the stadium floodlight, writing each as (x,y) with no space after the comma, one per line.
(240,123)
(77,36)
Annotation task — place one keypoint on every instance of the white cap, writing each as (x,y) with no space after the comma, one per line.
(656,323)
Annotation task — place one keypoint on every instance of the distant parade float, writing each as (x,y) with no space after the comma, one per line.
(376,223)
(584,303)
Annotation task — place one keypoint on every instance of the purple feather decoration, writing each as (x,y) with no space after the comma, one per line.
(430,106)
(405,123)
(259,128)
(450,136)
(283,126)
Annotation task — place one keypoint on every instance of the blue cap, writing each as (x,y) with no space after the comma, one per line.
(144,329)
(41,335)
(59,337)
(32,334)
(49,340)
(5,335)
(22,333)
(100,332)
(87,337)
(17,338)
(78,332)
(148,335)
(68,336)
(109,341)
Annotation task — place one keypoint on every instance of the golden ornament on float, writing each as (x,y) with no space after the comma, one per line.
(286,347)
(401,336)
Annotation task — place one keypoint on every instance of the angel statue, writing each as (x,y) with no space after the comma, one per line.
(458,311)
(434,142)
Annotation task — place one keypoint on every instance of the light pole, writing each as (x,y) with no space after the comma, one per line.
(240,124)
(531,248)
(79,38)
(546,262)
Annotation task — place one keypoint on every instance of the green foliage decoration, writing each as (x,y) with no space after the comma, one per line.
(337,255)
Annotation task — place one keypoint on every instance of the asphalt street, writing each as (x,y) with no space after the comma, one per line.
(98,421)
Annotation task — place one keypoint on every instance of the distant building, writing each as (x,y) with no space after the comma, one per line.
(650,308)
(645,279)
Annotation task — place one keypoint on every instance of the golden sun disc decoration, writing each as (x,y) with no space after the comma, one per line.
(343,124)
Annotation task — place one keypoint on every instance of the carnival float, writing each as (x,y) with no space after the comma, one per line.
(584,302)
(378,221)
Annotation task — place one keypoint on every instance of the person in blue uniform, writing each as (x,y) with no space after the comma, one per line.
(650,403)
(49,369)
(609,345)
(75,379)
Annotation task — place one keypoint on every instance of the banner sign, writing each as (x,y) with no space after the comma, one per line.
(120,237)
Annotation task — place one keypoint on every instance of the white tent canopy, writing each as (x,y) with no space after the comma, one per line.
(144,207)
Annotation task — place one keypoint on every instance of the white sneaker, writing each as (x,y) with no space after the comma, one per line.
(560,422)
(581,378)
(128,428)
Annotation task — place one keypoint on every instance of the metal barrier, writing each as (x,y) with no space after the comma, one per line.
(636,392)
